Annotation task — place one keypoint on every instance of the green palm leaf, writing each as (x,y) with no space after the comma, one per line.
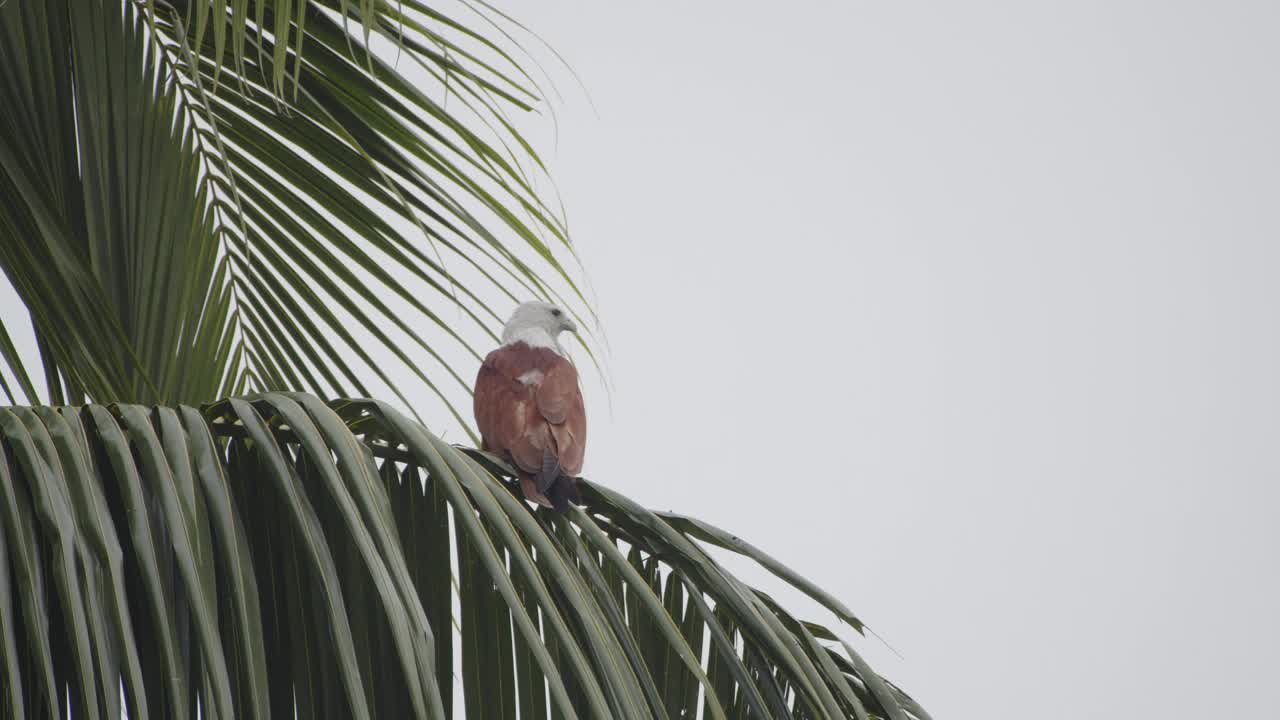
(276,553)
(181,177)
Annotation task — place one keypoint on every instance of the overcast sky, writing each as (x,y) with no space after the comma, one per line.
(968,311)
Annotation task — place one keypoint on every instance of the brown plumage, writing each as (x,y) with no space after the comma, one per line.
(529,410)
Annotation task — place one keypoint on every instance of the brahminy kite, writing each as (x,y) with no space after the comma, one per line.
(529,407)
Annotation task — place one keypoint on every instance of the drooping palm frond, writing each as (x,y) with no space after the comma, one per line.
(274,554)
(104,230)
(178,177)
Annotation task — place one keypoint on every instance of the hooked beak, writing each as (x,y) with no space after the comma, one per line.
(568,325)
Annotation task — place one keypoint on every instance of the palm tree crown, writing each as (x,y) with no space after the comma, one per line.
(214,211)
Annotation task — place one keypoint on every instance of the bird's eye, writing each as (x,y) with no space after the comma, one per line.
(556,312)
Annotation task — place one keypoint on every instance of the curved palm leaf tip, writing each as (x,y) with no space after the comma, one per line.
(294,558)
(261,202)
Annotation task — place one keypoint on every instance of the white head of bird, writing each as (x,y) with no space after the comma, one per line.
(537,324)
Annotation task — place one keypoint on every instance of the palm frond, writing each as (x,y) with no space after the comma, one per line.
(105,231)
(184,179)
(277,556)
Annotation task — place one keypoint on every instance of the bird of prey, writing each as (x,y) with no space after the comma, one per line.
(528,405)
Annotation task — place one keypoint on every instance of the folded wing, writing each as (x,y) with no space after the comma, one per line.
(527,401)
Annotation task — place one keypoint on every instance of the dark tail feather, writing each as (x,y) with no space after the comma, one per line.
(562,492)
(546,477)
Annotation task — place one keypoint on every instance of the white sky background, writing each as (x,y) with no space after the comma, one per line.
(967,311)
